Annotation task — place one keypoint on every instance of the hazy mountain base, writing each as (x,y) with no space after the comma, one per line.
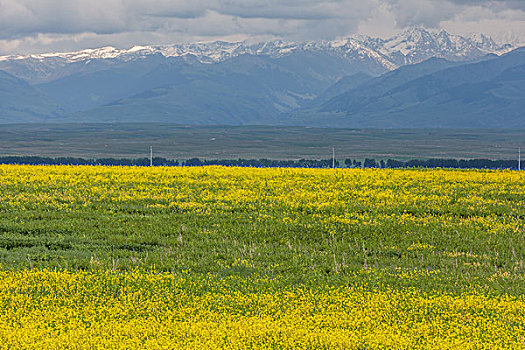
(21,102)
(433,94)
(243,90)
(486,94)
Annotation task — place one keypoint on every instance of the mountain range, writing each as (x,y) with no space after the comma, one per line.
(417,78)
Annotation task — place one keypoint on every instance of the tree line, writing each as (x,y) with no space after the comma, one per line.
(444,163)
(267,163)
(159,161)
(264,163)
(36,160)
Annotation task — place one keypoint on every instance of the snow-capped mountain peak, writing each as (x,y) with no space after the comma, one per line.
(410,46)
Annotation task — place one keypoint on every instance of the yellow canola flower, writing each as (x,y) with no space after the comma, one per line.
(42,309)
(52,310)
(420,246)
(338,196)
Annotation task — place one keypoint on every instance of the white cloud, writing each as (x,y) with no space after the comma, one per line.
(37,26)
(428,13)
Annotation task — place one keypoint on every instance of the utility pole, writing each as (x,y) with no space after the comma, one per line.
(519,158)
(333,157)
(150,155)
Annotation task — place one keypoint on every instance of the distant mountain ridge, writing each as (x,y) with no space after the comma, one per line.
(414,79)
(408,47)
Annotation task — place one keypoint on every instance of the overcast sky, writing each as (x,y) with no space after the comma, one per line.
(35,26)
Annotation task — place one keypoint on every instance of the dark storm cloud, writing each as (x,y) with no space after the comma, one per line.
(504,4)
(431,13)
(24,17)
(305,9)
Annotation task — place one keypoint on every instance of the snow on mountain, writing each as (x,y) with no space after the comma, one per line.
(410,46)
(415,45)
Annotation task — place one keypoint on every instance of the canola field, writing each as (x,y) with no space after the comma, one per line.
(215,257)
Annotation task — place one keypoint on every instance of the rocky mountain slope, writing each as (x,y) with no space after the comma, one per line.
(432,94)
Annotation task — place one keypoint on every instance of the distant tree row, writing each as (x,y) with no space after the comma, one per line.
(443,163)
(35,160)
(157,161)
(266,163)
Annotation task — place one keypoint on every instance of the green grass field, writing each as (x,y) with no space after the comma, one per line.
(223,142)
(217,257)
(458,228)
